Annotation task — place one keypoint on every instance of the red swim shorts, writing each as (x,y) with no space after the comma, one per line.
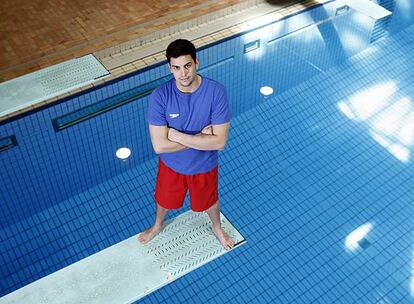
(172,187)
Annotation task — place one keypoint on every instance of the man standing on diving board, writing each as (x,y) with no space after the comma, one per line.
(188,120)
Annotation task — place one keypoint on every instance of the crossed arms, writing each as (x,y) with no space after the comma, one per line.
(167,140)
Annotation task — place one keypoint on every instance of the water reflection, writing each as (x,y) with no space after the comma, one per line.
(390,121)
(358,238)
(406,8)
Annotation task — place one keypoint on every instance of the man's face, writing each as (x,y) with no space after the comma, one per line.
(184,69)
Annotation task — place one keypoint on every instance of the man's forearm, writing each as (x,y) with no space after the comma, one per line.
(201,142)
(169,146)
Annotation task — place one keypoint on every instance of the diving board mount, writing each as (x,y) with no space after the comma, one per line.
(128,271)
(39,86)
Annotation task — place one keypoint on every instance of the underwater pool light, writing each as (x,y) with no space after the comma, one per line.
(251,46)
(123,153)
(266,90)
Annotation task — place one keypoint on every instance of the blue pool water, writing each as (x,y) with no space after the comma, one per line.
(330,151)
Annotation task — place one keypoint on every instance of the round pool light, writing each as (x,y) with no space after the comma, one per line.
(266,91)
(123,153)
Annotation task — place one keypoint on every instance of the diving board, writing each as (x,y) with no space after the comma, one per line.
(128,271)
(28,90)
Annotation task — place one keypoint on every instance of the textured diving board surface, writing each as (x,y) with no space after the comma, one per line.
(27,90)
(128,271)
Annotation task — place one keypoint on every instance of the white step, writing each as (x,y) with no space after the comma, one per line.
(30,89)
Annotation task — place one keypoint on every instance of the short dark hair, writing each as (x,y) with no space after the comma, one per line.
(181,47)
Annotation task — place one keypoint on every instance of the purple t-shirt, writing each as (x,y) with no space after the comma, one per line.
(189,113)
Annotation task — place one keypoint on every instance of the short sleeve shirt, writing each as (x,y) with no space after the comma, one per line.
(189,113)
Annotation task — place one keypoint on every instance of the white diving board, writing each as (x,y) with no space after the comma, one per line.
(368,8)
(128,271)
(25,91)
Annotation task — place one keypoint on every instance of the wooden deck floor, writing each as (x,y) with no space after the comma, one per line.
(35,33)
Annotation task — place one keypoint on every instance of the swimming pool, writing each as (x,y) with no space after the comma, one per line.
(303,168)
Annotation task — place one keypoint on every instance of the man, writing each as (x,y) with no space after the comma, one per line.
(188,122)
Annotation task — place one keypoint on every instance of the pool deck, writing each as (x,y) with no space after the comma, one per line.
(125,42)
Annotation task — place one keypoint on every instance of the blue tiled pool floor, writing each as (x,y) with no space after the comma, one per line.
(300,173)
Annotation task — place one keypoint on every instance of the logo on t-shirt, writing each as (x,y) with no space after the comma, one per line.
(174,115)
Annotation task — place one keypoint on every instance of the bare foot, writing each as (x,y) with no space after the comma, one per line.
(224,238)
(147,235)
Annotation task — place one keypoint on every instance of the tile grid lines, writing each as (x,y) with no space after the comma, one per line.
(382,208)
(407,217)
(380,266)
(75,211)
(276,144)
(400,268)
(51,267)
(308,210)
